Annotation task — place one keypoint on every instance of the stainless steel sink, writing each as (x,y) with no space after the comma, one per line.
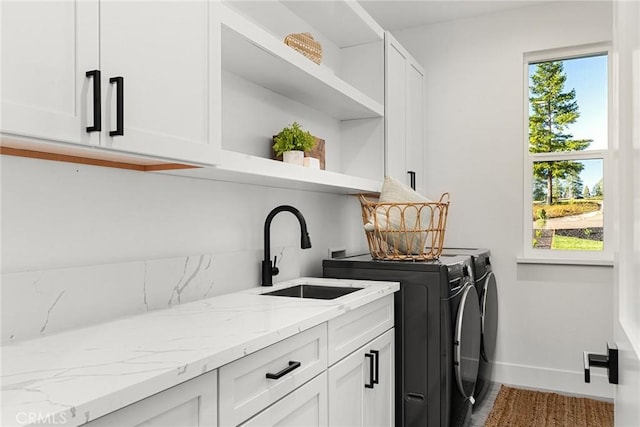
(313,291)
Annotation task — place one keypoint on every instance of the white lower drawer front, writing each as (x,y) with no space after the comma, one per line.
(355,328)
(244,389)
(307,407)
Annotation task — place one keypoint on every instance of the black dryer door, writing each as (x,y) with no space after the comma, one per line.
(467,341)
(489,312)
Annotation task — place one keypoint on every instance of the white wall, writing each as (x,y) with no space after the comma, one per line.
(69,231)
(474,150)
(57,214)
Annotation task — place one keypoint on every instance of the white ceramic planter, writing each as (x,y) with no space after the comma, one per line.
(295,157)
(311,162)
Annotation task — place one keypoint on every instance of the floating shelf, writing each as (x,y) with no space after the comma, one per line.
(247,169)
(346,23)
(255,55)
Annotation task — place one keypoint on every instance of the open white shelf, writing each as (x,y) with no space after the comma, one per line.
(247,169)
(252,51)
(346,23)
(257,56)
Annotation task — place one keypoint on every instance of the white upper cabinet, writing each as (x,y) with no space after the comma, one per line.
(404,118)
(153,86)
(161,50)
(199,82)
(47,48)
(415,124)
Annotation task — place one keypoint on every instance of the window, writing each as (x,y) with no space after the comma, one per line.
(566,141)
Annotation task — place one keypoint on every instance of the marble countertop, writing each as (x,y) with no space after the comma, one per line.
(80,375)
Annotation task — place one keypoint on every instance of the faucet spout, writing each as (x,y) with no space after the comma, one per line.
(268,271)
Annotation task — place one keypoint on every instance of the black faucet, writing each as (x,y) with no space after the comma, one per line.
(268,271)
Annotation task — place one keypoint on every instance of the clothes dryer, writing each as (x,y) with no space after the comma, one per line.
(437,322)
(485,282)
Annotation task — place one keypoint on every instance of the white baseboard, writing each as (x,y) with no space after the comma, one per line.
(566,382)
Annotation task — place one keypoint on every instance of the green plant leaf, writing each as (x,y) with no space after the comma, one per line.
(293,138)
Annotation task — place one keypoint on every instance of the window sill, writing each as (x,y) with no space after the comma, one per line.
(565,261)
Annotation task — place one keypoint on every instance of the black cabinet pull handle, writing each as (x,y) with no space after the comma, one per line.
(609,361)
(292,365)
(412,179)
(97,101)
(371,363)
(376,355)
(119,82)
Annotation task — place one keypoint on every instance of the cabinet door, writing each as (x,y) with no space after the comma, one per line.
(362,386)
(47,48)
(169,62)
(404,115)
(395,110)
(415,123)
(192,403)
(380,400)
(346,390)
(305,406)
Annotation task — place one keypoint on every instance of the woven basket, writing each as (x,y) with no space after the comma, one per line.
(306,45)
(405,231)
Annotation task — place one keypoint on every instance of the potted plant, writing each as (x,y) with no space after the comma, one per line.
(292,142)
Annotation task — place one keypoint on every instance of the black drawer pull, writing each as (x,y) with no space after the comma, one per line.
(97,121)
(119,81)
(376,355)
(371,377)
(292,365)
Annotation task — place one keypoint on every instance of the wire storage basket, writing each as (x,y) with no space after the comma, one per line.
(405,231)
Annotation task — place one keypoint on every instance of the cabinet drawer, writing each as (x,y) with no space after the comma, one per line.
(189,404)
(244,388)
(306,407)
(355,328)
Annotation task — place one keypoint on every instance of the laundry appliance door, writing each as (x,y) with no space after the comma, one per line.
(467,340)
(489,313)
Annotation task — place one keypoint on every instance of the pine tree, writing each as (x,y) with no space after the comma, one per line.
(586,193)
(552,111)
(575,186)
(598,189)
(539,190)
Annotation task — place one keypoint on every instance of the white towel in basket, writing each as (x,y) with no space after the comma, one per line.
(388,219)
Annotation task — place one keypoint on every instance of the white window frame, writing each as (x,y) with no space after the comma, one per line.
(534,255)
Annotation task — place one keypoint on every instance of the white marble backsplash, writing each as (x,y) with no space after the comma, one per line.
(38,303)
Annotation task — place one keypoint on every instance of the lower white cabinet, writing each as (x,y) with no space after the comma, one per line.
(307,407)
(358,327)
(302,390)
(361,386)
(189,404)
(254,382)
(338,373)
